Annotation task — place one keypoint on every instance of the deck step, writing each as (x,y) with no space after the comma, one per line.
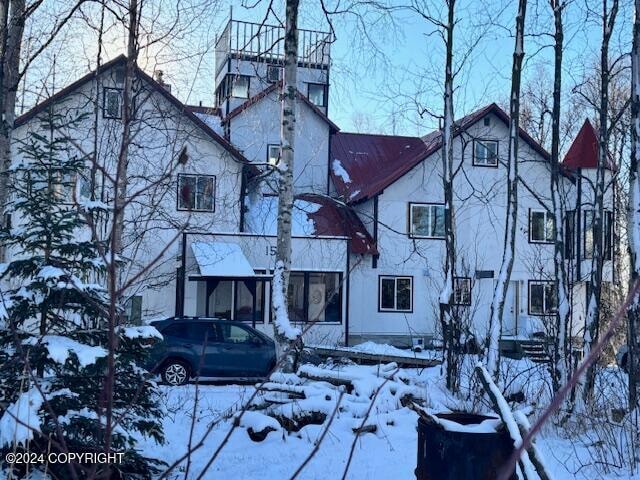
(536,351)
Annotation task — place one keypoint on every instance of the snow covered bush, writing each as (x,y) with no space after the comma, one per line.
(54,339)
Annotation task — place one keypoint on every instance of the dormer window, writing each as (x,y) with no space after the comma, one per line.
(485,153)
(317,94)
(112,103)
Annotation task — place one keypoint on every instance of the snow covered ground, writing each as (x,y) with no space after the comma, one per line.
(389,453)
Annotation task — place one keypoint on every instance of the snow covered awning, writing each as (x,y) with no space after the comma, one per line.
(221,259)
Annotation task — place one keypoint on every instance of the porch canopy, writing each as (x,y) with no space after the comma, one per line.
(221,260)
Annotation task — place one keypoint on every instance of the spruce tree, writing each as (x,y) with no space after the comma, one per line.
(53,315)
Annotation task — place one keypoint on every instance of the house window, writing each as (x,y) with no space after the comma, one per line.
(569,234)
(317,94)
(426,220)
(542,298)
(462,291)
(196,192)
(112,103)
(485,153)
(315,297)
(541,226)
(133,310)
(395,294)
(273,154)
(589,234)
(240,86)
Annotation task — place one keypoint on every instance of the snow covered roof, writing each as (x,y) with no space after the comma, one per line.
(313,216)
(363,165)
(221,259)
(583,152)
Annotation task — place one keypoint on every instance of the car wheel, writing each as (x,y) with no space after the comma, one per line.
(175,372)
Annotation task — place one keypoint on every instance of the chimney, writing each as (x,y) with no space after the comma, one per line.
(158,76)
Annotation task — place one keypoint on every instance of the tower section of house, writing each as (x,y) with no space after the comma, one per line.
(249,59)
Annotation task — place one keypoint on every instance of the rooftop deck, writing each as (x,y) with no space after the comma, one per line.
(256,41)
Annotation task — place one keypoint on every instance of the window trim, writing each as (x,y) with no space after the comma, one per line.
(547,215)
(473,152)
(213,194)
(539,282)
(410,220)
(466,279)
(324,94)
(269,146)
(395,301)
(104,103)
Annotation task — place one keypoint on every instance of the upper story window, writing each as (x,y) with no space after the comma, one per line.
(542,298)
(462,291)
(112,103)
(426,220)
(589,234)
(196,192)
(317,94)
(570,234)
(273,154)
(240,86)
(541,226)
(485,153)
(395,294)
(233,86)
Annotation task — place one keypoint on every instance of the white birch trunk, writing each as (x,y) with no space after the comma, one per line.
(633,216)
(449,330)
(561,354)
(500,292)
(284,333)
(12,25)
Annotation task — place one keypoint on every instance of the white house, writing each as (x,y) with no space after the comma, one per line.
(368,247)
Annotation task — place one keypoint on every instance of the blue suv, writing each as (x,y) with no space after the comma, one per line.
(212,348)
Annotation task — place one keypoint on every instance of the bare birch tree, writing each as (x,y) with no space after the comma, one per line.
(500,292)
(633,230)
(559,369)
(446,294)
(12,18)
(592,325)
(283,331)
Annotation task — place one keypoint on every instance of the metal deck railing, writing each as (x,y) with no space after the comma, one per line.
(255,41)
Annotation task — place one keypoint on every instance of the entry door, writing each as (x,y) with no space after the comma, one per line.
(511,310)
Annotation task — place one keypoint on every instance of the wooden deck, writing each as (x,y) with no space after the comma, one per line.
(375,358)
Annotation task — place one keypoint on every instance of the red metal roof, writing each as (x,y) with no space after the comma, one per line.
(373,162)
(334,218)
(583,152)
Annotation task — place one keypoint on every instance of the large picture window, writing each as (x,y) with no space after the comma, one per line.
(196,192)
(315,297)
(426,220)
(542,298)
(395,294)
(541,226)
(485,153)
